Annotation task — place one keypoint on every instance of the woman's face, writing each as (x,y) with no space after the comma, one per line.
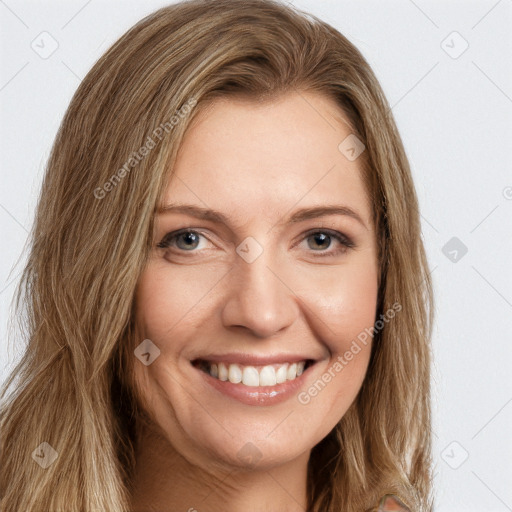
(266,280)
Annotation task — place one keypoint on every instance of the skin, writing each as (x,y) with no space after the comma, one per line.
(257,163)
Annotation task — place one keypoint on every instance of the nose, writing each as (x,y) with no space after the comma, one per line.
(259,297)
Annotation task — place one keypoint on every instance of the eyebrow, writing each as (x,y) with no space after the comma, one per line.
(299,216)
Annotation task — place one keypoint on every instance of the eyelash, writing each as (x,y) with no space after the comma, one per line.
(343,240)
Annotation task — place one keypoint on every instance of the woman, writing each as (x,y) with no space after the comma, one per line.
(228,300)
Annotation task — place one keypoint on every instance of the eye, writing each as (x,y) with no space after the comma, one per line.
(184,240)
(320,240)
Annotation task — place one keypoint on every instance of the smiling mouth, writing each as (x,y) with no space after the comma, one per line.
(254,376)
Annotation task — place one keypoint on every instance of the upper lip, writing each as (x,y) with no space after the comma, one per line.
(254,359)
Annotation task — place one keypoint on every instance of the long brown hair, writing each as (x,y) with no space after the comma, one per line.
(92,235)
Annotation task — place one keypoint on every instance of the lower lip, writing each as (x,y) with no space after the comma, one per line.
(261,395)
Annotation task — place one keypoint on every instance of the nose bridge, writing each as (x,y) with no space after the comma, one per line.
(258,298)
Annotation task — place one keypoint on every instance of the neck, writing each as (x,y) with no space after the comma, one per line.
(165,481)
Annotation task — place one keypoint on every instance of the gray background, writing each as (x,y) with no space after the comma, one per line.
(453,106)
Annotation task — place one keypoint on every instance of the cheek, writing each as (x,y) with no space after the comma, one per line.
(342,303)
(342,308)
(169,301)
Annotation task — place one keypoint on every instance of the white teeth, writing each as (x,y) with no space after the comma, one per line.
(281,373)
(268,375)
(292,371)
(250,376)
(234,374)
(223,372)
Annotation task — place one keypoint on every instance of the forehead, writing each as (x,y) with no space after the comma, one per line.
(244,157)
